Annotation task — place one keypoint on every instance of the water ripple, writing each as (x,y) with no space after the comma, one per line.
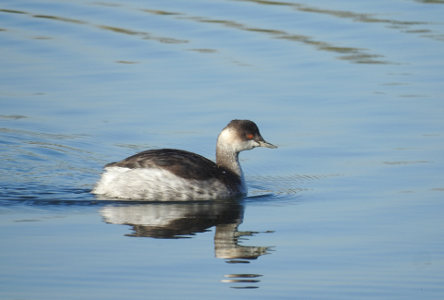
(348,53)
(242,281)
(116,29)
(282,185)
(355,54)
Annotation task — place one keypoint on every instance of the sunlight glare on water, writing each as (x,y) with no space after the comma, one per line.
(348,207)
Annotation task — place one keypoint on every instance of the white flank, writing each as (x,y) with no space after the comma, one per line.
(155,184)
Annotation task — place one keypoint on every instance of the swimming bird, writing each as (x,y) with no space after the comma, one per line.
(178,175)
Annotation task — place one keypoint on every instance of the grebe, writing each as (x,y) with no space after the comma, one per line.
(175,175)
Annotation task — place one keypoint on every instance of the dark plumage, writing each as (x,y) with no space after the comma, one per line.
(179,162)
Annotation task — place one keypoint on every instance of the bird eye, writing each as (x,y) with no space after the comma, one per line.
(250,136)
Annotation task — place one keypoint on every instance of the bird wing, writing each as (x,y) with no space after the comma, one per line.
(181,163)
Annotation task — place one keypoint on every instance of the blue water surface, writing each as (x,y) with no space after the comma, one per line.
(349,206)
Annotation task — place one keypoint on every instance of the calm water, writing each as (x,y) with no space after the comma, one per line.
(350,206)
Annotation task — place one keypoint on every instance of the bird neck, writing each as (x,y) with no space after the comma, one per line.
(229,159)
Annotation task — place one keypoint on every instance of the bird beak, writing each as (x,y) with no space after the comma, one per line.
(266,144)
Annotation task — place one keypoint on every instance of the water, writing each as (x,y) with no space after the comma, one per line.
(349,206)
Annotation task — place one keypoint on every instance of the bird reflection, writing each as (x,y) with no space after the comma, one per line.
(226,244)
(182,220)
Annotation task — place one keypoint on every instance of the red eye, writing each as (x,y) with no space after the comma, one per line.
(250,136)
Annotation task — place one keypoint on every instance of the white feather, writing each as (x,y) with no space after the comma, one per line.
(155,184)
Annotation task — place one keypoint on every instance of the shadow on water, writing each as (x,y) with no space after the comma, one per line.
(183,220)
